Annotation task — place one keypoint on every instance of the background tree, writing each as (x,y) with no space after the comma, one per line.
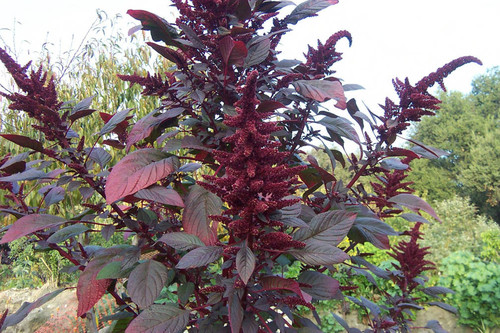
(466,126)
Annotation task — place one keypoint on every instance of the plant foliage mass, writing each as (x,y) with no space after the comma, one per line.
(215,185)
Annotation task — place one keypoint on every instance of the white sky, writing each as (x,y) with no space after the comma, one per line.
(391,38)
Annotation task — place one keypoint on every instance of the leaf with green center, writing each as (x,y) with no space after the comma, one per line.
(89,290)
(329,227)
(137,171)
(199,205)
(199,257)
(146,282)
(245,263)
(29,224)
(66,233)
(160,318)
(181,241)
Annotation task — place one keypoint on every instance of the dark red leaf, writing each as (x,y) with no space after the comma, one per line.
(307,9)
(89,290)
(181,241)
(160,318)
(146,282)
(329,227)
(80,114)
(114,143)
(326,177)
(117,123)
(199,205)
(175,56)
(322,287)
(414,203)
(319,253)
(258,52)
(245,263)
(143,128)
(269,106)
(199,257)
(31,223)
(137,171)
(238,54)
(226,45)
(160,29)
(161,194)
(321,90)
(24,141)
(2,319)
(279,283)
(236,313)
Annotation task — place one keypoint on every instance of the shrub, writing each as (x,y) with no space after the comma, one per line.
(208,184)
(461,229)
(477,289)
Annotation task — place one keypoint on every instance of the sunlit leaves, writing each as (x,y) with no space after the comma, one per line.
(30,223)
(137,171)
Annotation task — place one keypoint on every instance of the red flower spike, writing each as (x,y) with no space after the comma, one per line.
(255,182)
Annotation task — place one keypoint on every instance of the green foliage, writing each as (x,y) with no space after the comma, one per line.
(466,126)
(477,287)
(491,245)
(461,229)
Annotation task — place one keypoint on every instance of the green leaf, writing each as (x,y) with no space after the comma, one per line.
(113,270)
(67,232)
